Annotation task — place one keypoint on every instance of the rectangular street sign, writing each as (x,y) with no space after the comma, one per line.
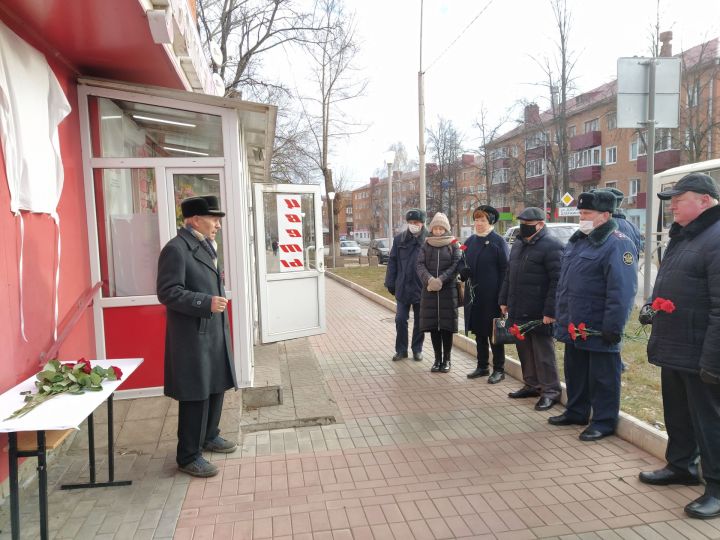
(633,90)
(568,211)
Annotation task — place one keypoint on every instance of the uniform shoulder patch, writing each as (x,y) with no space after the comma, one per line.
(619,234)
(628,258)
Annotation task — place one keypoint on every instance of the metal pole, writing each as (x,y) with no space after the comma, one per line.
(650,172)
(390,205)
(421,122)
(545,178)
(332,230)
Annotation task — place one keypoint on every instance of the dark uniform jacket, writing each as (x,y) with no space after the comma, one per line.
(486,257)
(438,309)
(689,275)
(531,279)
(629,229)
(401,275)
(198,358)
(597,285)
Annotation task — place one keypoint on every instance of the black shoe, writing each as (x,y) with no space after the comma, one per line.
(668,477)
(479,372)
(707,506)
(445,366)
(545,403)
(436,366)
(523,393)
(417,356)
(565,420)
(592,434)
(399,356)
(496,377)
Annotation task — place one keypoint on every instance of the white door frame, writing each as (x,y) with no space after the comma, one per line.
(265,279)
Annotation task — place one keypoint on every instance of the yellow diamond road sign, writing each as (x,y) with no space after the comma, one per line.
(567,199)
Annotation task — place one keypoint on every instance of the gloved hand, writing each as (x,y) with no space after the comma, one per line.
(646,314)
(611,338)
(465,273)
(434,284)
(709,378)
(391,290)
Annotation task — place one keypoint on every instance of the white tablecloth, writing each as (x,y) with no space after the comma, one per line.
(64,411)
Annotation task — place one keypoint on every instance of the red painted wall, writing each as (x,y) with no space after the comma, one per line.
(20,358)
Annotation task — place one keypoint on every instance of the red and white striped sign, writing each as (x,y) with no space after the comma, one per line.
(290,238)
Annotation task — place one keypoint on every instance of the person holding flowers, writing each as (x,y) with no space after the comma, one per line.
(528,294)
(437,264)
(596,288)
(483,269)
(685,342)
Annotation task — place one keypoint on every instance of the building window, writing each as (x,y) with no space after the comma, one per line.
(590,187)
(635,151)
(592,125)
(535,140)
(634,187)
(611,120)
(611,185)
(585,158)
(500,176)
(611,155)
(693,94)
(534,167)
(663,139)
(571,131)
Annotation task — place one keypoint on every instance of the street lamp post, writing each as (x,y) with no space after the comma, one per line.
(544,201)
(331,198)
(390,160)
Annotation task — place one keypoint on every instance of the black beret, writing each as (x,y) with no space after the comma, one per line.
(599,200)
(532,213)
(492,214)
(207,205)
(415,214)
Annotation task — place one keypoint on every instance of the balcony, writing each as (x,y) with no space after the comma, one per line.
(641,200)
(667,159)
(583,175)
(585,140)
(501,163)
(536,182)
(496,189)
(537,153)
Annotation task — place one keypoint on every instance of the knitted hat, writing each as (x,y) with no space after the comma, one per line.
(415,214)
(440,220)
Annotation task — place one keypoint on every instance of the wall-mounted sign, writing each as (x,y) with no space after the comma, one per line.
(290,236)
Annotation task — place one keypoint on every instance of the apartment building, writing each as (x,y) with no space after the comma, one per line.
(524,161)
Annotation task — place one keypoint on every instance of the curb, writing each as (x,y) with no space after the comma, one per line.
(629,428)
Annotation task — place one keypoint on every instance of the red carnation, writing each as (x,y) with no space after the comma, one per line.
(657,304)
(454,241)
(463,247)
(667,306)
(118,372)
(572,331)
(582,328)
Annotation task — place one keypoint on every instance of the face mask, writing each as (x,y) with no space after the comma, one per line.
(526,231)
(586,226)
(414,229)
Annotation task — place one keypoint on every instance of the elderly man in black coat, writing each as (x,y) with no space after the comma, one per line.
(685,342)
(198,357)
(528,294)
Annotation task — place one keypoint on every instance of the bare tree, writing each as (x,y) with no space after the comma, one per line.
(488,132)
(401,157)
(446,145)
(332,58)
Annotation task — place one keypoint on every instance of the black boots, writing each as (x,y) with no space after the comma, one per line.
(445,366)
(479,372)
(438,362)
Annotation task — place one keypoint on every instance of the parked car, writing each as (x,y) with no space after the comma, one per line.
(379,248)
(350,247)
(563,231)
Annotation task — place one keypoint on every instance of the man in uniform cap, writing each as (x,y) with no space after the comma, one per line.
(626,227)
(597,286)
(528,294)
(198,358)
(403,282)
(685,342)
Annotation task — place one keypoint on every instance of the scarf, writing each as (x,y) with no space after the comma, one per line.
(207,244)
(440,241)
(483,235)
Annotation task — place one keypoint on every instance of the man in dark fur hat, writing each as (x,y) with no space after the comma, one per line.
(597,286)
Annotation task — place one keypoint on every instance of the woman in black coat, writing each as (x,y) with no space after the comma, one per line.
(484,264)
(437,264)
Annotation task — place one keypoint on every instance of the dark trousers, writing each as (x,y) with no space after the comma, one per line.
(537,360)
(692,419)
(197,422)
(442,341)
(483,354)
(402,315)
(593,382)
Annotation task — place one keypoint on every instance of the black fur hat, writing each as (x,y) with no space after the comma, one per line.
(207,205)
(598,200)
(415,214)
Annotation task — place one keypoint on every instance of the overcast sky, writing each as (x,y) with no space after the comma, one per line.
(491,63)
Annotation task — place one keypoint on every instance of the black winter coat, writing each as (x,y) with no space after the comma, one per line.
(486,257)
(198,357)
(689,338)
(531,279)
(401,275)
(439,309)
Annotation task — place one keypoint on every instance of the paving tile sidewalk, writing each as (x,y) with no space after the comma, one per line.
(413,455)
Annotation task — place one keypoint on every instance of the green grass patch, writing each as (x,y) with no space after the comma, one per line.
(640,396)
